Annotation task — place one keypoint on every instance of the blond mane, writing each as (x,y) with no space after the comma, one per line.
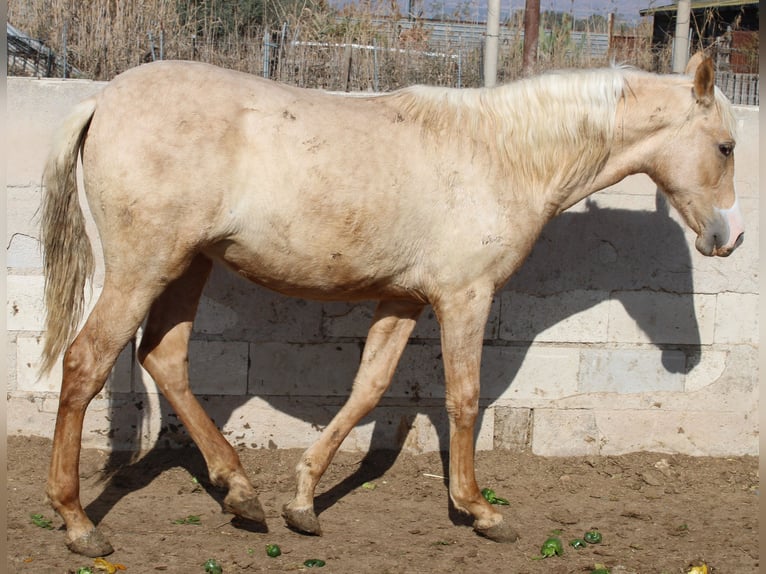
(554,127)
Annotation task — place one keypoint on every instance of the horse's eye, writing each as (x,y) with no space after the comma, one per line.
(726,149)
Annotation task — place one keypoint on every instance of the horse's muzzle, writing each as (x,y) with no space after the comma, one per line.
(723,234)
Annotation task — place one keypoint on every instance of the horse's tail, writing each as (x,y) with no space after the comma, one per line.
(67,252)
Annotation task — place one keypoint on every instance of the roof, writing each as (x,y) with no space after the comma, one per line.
(698,5)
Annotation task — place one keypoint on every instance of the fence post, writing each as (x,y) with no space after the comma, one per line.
(63,49)
(347,65)
(266,53)
(151,46)
(491,43)
(681,37)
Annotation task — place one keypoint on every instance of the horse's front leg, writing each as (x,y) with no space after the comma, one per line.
(463,318)
(391,328)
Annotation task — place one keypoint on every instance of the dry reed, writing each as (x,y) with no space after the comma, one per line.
(306,42)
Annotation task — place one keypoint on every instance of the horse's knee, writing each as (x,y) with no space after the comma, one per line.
(463,408)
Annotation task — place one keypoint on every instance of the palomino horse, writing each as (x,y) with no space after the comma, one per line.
(422,196)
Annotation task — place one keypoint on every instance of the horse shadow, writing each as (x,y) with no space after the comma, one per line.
(603,251)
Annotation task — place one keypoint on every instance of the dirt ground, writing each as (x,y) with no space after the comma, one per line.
(657,514)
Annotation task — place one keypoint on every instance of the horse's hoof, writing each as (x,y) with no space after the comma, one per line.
(500,532)
(249,508)
(303,520)
(93,544)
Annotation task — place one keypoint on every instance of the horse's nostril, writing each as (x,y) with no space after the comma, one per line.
(739,240)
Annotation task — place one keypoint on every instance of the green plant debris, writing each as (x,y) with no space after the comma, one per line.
(191,519)
(490,496)
(41,521)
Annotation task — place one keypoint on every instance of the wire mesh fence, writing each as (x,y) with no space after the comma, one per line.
(391,54)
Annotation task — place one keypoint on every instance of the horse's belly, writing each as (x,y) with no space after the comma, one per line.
(329,274)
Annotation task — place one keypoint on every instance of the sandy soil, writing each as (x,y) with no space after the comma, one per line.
(657,513)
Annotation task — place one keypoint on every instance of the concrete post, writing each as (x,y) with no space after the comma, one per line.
(681,37)
(491,43)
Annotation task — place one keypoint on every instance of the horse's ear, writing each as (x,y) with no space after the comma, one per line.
(704,80)
(694,63)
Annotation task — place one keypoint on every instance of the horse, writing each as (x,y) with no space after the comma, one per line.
(421,196)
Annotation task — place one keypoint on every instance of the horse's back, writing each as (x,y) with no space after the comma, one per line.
(308,192)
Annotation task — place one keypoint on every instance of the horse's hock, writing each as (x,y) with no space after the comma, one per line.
(615,336)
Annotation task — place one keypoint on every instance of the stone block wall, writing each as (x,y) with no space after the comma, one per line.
(615,336)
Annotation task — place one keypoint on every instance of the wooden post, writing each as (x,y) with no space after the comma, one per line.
(610,34)
(347,67)
(531,35)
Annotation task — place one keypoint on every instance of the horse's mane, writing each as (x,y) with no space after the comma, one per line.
(557,124)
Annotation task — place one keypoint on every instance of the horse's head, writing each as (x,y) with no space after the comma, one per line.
(696,166)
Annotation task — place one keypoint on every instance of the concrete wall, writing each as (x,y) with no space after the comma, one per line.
(616,335)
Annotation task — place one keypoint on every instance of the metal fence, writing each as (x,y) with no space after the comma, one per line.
(404,52)
(742,89)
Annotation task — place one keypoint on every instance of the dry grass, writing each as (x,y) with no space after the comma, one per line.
(104,38)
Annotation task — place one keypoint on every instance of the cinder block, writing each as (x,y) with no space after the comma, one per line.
(709,368)
(628,371)
(25,309)
(290,422)
(28,360)
(523,375)
(108,422)
(419,375)
(326,369)
(24,252)
(23,215)
(28,351)
(661,318)
(218,367)
(283,422)
(342,319)
(39,106)
(565,433)
(247,312)
(593,247)
(736,318)
(580,316)
(11,355)
(512,428)
(686,432)
(529,374)
(614,432)
(746,157)
(214,317)
(25,416)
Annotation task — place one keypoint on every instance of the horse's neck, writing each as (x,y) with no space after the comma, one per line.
(641,118)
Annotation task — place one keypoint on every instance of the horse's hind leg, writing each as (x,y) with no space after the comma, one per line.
(87,363)
(164,354)
(386,340)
